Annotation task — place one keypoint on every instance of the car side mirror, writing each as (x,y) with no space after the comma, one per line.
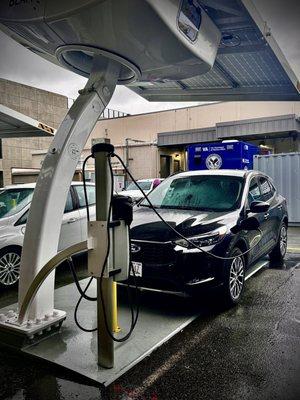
(247,224)
(259,207)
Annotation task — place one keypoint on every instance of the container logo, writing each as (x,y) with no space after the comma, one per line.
(213,161)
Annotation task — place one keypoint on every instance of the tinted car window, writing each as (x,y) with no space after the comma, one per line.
(69,207)
(198,192)
(23,219)
(91,195)
(69,203)
(14,200)
(254,192)
(266,189)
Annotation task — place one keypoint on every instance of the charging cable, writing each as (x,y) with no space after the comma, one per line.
(134,315)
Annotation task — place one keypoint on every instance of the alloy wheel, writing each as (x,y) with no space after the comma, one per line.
(9,268)
(236,277)
(283,240)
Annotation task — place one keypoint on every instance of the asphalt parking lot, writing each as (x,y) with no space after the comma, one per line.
(249,352)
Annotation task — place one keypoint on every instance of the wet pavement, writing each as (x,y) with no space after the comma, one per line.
(249,352)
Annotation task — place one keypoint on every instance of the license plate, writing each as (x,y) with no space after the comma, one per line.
(138,267)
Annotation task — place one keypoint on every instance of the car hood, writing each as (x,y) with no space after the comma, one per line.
(147,226)
(135,194)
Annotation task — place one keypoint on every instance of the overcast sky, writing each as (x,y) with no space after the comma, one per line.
(20,65)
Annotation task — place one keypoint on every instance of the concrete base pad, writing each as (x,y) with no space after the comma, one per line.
(160,318)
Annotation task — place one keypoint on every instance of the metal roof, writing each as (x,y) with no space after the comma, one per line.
(186,137)
(14,124)
(258,126)
(250,128)
(249,63)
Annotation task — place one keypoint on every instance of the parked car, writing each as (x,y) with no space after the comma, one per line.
(14,208)
(146,184)
(207,207)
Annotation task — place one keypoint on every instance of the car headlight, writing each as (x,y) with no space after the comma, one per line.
(207,239)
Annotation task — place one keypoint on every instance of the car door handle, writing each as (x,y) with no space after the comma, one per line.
(266,216)
(71,220)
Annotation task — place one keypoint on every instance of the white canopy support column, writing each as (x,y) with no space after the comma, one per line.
(47,207)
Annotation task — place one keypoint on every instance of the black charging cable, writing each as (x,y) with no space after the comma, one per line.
(84,186)
(77,307)
(171,227)
(83,294)
(134,318)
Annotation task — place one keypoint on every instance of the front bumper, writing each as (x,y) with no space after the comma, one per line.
(171,268)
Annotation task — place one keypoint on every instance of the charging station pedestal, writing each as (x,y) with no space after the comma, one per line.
(104,185)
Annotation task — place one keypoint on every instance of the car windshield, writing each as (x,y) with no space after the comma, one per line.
(145,185)
(14,200)
(202,192)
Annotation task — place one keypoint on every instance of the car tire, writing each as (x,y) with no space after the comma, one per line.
(279,251)
(234,278)
(10,259)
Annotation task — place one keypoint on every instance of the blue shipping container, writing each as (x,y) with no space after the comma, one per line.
(221,155)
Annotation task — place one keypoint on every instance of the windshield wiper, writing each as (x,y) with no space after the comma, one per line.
(190,208)
(147,205)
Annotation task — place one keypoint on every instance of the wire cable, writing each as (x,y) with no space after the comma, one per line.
(71,263)
(76,280)
(171,227)
(84,186)
(76,310)
(134,318)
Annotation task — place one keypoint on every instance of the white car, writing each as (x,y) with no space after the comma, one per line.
(14,207)
(134,192)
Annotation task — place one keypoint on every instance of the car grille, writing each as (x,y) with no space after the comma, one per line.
(154,253)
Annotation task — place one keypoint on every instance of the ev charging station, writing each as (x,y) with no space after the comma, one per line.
(160,49)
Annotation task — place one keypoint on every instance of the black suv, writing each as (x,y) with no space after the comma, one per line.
(227,213)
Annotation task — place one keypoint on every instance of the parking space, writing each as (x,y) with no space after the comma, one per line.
(251,351)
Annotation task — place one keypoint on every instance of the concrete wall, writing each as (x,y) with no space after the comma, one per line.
(144,164)
(147,126)
(41,105)
(144,159)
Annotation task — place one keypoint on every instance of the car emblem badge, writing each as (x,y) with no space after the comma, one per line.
(135,248)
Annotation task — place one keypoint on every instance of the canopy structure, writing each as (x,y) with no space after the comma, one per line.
(249,64)
(17,125)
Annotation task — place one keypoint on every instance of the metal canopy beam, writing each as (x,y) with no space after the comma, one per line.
(15,124)
(263,93)
(19,133)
